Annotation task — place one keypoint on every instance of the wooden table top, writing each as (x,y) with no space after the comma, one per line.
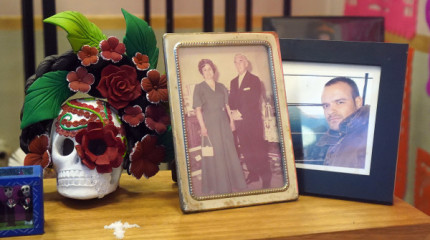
(153,204)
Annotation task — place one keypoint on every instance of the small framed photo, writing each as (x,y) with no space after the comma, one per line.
(21,201)
(344,28)
(344,103)
(229,119)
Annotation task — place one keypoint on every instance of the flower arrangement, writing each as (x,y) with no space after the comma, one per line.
(102,67)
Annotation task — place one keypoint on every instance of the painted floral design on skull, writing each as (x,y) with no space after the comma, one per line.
(87,149)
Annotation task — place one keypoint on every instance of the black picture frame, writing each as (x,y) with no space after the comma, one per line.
(378,185)
(339,28)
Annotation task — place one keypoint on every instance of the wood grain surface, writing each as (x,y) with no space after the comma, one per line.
(153,204)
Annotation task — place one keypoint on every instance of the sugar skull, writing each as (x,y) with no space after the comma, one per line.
(8,191)
(89,141)
(87,149)
(25,190)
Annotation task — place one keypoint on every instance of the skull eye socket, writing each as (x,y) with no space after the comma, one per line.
(68,146)
(97,146)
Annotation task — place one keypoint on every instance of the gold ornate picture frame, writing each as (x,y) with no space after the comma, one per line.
(230,122)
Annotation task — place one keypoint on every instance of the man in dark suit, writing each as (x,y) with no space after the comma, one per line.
(245,103)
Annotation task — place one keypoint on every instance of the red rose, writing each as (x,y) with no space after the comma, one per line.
(119,85)
(99,147)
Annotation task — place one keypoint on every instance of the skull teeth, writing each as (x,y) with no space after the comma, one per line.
(68,178)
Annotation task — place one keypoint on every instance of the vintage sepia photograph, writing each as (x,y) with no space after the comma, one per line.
(332,111)
(234,140)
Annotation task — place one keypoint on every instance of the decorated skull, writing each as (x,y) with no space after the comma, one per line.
(87,149)
(89,141)
(25,189)
(8,191)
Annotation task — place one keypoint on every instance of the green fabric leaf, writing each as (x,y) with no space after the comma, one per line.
(44,98)
(139,37)
(80,30)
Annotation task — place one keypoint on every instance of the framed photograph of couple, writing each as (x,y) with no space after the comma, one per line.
(344,104)
(230,123)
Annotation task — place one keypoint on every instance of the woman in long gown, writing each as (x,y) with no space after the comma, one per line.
(223,172)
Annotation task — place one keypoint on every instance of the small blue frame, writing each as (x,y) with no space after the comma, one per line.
(21,212)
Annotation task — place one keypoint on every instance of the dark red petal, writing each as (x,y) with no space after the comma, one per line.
(160,128)
(120,48)
(81,72)
(150,123)
(113,42)
(104,45)
(137,152)
(103,159)
(118,104)
(153,75)
(102,87)
(153,96)
(46,159)
(133,110)
(86,61)
(80,135)
(130,71)
(104,169)
(94,51)
(72,76)
(94,125)
(88,79)
(163,94)
(146,85)
(142,166)
(39,144)
(116,57)
(111,128)
(162,83)
(80,151)
(117,162)
(157,155)
(32,159)
(87,163)
(133,120)
(109,70)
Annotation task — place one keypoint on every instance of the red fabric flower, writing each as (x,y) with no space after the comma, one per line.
(88,55)
(157,118)
(112,49)
(141,61)
(119,85)
(155,86)
(38,152)
(133,115)
(145,157)
(99,147)
(81,80)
